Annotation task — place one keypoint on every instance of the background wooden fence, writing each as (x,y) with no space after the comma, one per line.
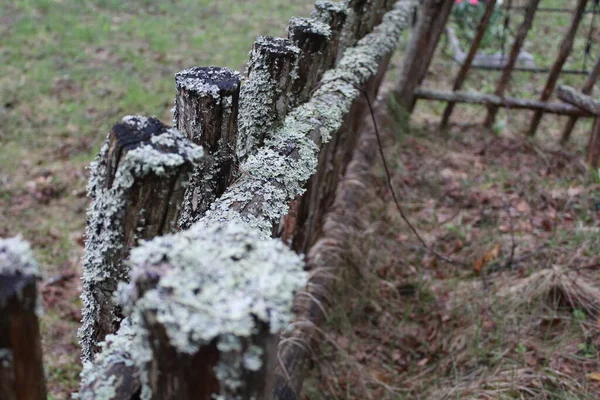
(195,233)
(434,16)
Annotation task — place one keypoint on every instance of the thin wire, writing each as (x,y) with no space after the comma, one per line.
(391,187)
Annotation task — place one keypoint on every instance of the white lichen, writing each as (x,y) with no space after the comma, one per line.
(102,266)
(315,26)
(16,258)
(223,281)
(127,347)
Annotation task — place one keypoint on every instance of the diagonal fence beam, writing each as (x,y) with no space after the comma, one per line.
(514,53)
(462,74)
(565,49)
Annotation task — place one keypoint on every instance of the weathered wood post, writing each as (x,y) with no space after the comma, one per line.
(313,38)
(211,301)
(502,83)
(264,98)
(206,111)
(136,185)
(21,368)
(587,88)
(335,15)
(565,49)
(432,19)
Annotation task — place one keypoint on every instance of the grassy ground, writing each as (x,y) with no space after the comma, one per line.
(517,316)
(70,70)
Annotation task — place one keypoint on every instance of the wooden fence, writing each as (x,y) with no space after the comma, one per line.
(195,234)
(434,16)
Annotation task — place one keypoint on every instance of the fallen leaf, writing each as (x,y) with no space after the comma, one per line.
(594,376)
(489,256)
(574,191)
(523,207)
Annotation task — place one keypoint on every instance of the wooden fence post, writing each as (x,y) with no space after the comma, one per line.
(136,185)
(264,98)
(426,35)
(206,111)
(21,367)
(335,15)
(512,59)
(211,300)
(313,38)
(587,88)
(565,49)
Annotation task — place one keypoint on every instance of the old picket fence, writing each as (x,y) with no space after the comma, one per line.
(195,237)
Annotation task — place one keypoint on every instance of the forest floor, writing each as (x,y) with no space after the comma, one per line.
(515,315)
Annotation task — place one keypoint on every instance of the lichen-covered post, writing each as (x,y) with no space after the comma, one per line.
(334,15)
(206,111)
(136,185)
(21,369)
(265,96)
(210,301)
(313,38)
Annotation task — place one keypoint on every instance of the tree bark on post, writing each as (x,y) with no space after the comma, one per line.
(313,38)
(136,185)
(334,15)
(565,49)
(264,98)
(206,111)
(512,59)
(587,87)
(430,25)
(21,366)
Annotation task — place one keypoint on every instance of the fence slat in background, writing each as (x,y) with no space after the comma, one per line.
(565,49)
(512,59)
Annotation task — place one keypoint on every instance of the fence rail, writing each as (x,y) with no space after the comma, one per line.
(197,312)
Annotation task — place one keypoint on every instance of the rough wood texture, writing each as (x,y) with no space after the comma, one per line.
(334,15)
(565,49)
(124,379)
(512,59)
(302,225)
(264,98)
(431,21)
(578,99)
(497,101)
(313,38)
(21,366)
(136,185)
(587,88)
(464,69)
(206,111)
